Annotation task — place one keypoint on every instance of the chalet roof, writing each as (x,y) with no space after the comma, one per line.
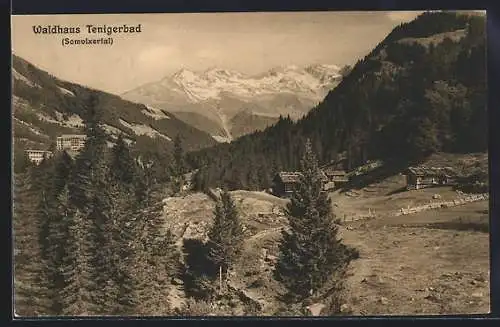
(293,176)
(431,171)
(289,177)
(333,171)
(333,164)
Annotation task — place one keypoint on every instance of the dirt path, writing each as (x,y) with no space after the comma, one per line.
(265,233)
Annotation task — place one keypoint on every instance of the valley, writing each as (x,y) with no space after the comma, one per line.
(302,190)
(45,107)
(433,262)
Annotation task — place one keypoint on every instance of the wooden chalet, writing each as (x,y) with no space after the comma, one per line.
(337,177)
(285,183)
(422,177)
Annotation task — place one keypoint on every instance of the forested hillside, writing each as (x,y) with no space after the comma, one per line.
(88,234)
(45,107)
(421,90)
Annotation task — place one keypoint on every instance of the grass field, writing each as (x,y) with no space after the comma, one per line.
(433,262)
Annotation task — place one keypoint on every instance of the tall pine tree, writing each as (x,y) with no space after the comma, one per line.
(178,165)
(122,164)
(76,296)
(89,195)
(225,235)
(156,255)
(31,288)
(310,252)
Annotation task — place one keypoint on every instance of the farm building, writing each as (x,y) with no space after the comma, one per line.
(284,183)
(421,177)
(336,177)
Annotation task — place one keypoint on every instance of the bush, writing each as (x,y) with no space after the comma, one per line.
(194,307)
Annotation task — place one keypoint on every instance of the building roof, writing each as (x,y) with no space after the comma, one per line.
(72,135)
(35,150)
(431,171)
(289,177)
(293,177)
(335,164)
(333,171)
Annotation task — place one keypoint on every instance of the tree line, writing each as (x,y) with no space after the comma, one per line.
(312,259)
(402,102)
(89,233)
(90,239)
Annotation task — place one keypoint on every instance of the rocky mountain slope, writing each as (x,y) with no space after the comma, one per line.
(421,90)
(45,107)
(454,280)
(217,95)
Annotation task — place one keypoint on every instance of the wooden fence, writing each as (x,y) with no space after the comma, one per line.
(442,204)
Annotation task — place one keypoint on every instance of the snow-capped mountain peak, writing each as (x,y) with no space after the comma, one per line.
(220,94)
(218,72)
(184,75)
(312,82)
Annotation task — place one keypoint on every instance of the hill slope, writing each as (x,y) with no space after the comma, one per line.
(406,99)
(219,95)
(454,280)
(45,107)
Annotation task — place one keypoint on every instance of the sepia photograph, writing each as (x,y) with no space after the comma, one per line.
(266,164)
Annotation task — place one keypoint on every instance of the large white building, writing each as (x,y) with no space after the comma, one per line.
(36,156)
(72,142)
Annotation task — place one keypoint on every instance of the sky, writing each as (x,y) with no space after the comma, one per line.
(247,42)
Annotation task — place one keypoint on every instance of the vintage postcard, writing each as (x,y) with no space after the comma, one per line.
(250,164)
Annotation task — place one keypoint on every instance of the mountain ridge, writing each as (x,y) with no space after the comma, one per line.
(401,102)
(219,94)
(44,106)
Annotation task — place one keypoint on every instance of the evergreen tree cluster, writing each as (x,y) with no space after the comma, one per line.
(89,238)
(226,234)
(404,101)
(313,259)
(89,233)
(208,263)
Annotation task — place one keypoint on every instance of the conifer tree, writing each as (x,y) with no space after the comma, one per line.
(179,160)
(126,188)
(178,166)
(31,288)
(156,253)
(311,252)
(77,292)
(52,234)
(123,232)
(89,164)
(90,196)
(21,160)
(105,216)
(122,165)
(226,234)
(63,165)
